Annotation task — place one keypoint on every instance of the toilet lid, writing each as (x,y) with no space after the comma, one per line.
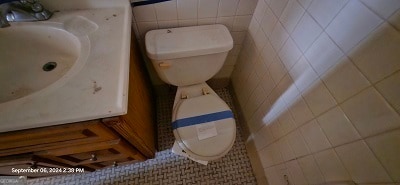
(204,127)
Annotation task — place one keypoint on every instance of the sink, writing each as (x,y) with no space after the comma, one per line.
(73,67)
(34,56)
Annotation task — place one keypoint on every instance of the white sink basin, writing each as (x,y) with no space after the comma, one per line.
(72,67)
(34,56)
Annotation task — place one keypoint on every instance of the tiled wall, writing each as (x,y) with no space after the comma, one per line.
(235,14)
(319,87)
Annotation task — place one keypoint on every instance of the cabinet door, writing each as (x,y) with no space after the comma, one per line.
(32,140)
(9,165)
(94,155)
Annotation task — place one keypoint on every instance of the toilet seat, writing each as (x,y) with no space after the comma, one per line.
(204,127)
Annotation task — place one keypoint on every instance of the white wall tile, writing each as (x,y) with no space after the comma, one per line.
(378,56)
(267,133)
(254,26)
(167,24)
(337,127)
(266,157)
(286,150)
(278,36)
(318,98)
(306,32)
(277,6)
(260,39)
(291,15)
(225,71)
(289,53)
(277,70)
(255,100)
(166,11)
(227,7)
(361,163)
(259,10)
(276,129)
(261,69)
(227,21)
(189,22)
(276,153)
(208,8)
(314,136)
(305,3)
(241,23)
(311,170)
(331,167)
(259,115)
(370,113)
(301,112)
(144,13)
(268,53)
(238,36)
(267,83)
(292,94)
(268,22)
(287,123)
(296,141)
(387,149)
(236,50)
(346,32)
(303,74)
(395,19)
(324,11)
(390,89)
(384,8)
(345,80)
(273,176)
(187,9)
(144,27)
(296,173)
(206,21)
(246,7)
(323,54)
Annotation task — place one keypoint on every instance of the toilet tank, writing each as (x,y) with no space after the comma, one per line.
(188,55)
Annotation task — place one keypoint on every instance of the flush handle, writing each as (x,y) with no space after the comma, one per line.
(164,65)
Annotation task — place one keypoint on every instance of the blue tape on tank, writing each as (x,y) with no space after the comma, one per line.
(202,119)
(141,3)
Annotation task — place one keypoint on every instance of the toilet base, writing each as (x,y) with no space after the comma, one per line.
(176,149)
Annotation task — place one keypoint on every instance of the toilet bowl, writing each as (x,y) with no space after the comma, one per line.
(203,124)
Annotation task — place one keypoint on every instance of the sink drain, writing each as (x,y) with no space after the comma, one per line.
(49,66)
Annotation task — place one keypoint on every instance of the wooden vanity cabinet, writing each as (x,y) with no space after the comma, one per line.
(89,145)
(94,154)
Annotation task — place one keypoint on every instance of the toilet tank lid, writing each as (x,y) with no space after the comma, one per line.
(187,41)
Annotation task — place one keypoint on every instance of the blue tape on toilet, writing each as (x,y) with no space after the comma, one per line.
(202,119)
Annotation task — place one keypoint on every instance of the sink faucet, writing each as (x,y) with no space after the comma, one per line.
(22,11)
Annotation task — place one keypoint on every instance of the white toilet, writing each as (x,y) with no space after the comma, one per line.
(203,124)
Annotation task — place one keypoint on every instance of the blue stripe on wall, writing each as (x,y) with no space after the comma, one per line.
(202,119)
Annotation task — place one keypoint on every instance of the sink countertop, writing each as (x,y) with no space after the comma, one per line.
(97,89)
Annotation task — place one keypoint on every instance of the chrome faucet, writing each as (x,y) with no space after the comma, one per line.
(22,11)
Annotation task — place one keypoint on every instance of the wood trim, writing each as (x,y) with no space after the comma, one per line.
(138,125)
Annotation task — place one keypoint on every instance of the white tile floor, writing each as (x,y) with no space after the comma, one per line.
(168,168)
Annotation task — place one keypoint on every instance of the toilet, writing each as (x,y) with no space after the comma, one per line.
(203,124)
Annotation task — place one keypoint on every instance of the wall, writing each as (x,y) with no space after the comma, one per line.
(235,14)
(318,83)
